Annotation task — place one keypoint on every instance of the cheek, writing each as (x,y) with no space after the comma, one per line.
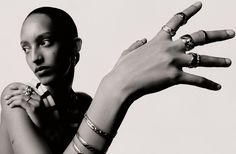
(29,62)
(62,61)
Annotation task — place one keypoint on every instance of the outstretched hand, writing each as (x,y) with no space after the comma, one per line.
(158,64)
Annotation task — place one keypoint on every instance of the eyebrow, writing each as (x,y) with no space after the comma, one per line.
(39,37)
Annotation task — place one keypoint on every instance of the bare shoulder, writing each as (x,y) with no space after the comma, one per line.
(7,91)
(10,86)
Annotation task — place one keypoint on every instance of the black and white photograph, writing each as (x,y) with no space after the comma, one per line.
(118,77)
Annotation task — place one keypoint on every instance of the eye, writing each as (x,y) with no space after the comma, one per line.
(46,42)
(26,49)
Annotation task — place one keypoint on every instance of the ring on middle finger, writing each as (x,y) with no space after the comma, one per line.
(28,91)
(195,61)
(169,30)
(188,42)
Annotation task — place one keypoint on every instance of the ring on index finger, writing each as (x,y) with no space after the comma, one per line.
(188,42)
(169,30)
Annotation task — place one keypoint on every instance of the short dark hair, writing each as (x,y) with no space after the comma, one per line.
(63,22)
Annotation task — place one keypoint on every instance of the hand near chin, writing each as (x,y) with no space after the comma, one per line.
(159,63)
(24,96)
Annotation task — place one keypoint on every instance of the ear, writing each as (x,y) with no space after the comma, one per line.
(77,47)
(78,44)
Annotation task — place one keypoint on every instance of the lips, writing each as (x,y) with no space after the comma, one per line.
(41,70)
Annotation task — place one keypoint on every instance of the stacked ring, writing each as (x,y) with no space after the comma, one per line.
(188,42)
(195,61)
(169,30)
(183,16)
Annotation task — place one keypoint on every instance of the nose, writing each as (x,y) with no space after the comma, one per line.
(36,56)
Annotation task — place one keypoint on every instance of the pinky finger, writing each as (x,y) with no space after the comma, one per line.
(198,81)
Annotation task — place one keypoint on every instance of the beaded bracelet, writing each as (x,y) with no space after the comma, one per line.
(89,147)
(107,136)
(76,148)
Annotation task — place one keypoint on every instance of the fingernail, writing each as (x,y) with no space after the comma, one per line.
(231,33)
(218,87)
(228,61)
(197,4)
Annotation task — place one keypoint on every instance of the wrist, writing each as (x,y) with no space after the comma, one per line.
(110,104)
(115,87)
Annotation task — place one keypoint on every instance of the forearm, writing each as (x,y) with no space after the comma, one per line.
(106,112)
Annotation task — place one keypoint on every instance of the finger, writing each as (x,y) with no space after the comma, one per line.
(19,103)
(137,44)
(178,20)
(198,81)
(210,61)
(185,60)
(204,37)
(14,98)
(13,93)
(134,46)
(21,98)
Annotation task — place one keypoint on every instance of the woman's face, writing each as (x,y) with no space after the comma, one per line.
(45,54)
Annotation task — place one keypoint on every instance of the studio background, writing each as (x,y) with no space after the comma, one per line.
(179,120)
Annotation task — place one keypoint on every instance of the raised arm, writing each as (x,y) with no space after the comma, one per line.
(150,68)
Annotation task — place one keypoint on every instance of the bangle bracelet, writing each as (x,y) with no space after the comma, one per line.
(76,148)
(86,145)
(105,135)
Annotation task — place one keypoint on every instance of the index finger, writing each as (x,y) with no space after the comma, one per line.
(181,18)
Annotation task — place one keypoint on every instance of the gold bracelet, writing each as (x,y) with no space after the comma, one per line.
(97,130)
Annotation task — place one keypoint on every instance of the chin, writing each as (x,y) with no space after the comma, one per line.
(49,80)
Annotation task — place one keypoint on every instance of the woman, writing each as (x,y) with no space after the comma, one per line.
(52,51)
(144,68)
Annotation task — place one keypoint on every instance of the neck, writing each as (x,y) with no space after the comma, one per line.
(61,89)
(60,92)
